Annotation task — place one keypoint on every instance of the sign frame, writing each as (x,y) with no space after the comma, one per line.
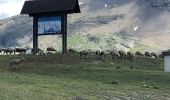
(63,30)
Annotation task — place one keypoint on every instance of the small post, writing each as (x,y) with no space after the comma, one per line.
(134,63)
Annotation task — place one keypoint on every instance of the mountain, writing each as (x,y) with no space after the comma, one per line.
(103,24)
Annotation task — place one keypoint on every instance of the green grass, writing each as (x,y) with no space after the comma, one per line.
(140,47)
(63,77)
(76,40)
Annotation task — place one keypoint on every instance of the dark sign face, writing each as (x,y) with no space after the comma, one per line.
(49,25)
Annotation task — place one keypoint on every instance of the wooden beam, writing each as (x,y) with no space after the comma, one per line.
(35,35)
(64,35)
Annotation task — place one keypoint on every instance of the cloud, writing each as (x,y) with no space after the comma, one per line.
(10,8)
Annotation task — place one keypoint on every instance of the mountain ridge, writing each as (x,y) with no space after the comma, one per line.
(122,24)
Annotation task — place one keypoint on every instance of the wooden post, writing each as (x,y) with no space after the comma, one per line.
(35,35)
(64,35)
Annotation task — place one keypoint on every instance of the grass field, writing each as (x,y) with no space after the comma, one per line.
(66,77)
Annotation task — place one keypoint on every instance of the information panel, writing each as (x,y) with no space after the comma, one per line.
(49,25)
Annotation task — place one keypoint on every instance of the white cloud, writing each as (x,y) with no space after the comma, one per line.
(10,8)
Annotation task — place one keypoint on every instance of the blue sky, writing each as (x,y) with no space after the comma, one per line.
(10,8)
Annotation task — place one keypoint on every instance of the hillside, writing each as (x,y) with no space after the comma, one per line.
(65,77)
(105,24)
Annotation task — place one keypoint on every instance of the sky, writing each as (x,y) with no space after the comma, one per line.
(10,8)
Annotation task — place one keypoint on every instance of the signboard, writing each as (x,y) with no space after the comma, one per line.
(49,25)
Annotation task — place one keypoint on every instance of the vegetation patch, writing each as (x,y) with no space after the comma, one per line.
(67,77)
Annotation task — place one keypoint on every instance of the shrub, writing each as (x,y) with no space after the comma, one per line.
(118,67)
(116,82)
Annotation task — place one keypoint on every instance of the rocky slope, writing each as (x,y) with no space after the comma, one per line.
(105,24)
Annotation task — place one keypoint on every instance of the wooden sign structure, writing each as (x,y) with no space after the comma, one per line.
(50,18)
